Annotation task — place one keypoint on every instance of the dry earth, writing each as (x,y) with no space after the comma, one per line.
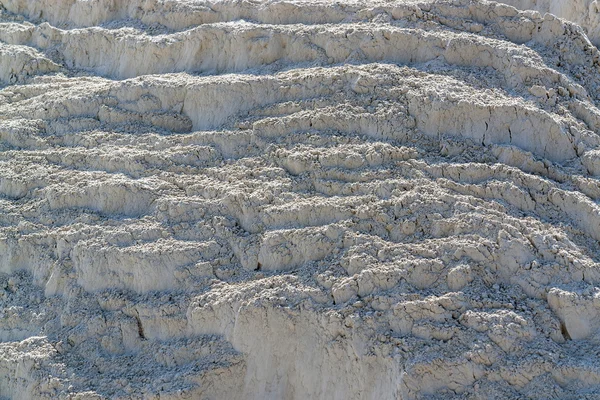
(299,199)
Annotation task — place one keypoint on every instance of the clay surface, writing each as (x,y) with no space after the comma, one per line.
(248,199)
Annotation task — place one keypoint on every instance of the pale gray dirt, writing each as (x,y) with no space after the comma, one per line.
(299,200)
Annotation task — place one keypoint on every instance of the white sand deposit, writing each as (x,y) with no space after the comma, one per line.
(299,199)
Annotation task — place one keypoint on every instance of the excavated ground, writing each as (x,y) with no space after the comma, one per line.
(249,199)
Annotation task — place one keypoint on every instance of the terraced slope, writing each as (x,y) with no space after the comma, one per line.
(297,199)
(585,13)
